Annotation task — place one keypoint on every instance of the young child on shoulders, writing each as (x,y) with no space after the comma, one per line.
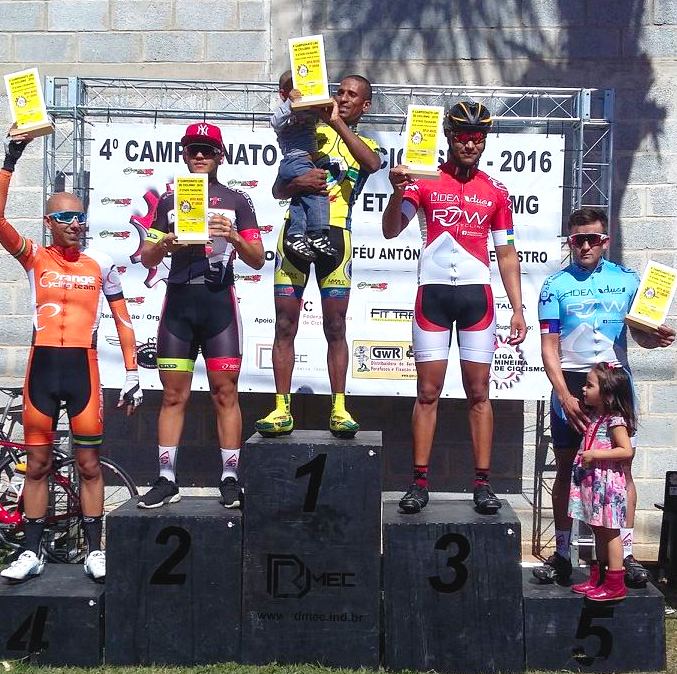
(598,494)
(308,228)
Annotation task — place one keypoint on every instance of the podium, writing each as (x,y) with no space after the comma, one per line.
(54,619)
(173,583)
(564,631)
(312,532)
(452,589)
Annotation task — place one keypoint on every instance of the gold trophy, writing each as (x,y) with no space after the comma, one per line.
(653,299)
(27,104)
(309,71)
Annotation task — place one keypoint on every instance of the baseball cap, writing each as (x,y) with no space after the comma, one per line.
(203,133)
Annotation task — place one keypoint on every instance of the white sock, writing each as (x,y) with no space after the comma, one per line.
(230,458)
(562,542)
(626,538)
(167,457)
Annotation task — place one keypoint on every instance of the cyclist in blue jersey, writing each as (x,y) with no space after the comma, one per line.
(582,313)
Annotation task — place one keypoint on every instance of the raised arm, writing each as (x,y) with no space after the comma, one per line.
(396,215)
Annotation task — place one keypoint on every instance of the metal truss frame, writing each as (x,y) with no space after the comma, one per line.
(584,116)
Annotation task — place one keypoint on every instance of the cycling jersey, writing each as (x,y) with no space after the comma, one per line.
(66,287)
(345,181)
(346,178)
(587,309)
(210,264)
(457,216)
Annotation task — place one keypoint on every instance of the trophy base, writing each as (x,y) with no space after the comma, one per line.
(33,130)
(429,174)
(641,324)
(315,103)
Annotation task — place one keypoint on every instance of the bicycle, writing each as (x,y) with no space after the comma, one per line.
(63,540)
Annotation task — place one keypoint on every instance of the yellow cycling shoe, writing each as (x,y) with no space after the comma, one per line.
(278,422)
(342,425)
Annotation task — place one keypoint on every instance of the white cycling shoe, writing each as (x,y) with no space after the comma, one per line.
(95,565)
(27,564)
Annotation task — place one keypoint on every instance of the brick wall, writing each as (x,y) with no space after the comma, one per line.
(625,44)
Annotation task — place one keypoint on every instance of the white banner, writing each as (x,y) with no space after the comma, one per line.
(132,164)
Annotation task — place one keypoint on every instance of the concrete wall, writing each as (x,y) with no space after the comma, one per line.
(625,44)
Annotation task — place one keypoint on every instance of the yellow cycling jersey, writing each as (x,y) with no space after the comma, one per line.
(345,178)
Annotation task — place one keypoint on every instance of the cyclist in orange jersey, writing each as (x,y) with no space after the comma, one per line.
(66,286)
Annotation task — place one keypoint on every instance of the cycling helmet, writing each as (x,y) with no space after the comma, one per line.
(468,116)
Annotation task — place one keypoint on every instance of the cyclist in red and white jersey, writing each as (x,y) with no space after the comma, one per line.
(458,210)
(67,288)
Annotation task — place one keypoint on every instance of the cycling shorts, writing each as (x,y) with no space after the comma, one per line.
(71,375)
(565,436)
(333,274)
(438,307)
(197,317)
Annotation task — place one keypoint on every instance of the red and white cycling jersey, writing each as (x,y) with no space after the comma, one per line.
(455,222)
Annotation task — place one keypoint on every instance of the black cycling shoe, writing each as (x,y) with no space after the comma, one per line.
(555,569)
(298,245)
(231,493)
(486,502)
(414,500)
(321,244)
(162,492)
(635,574)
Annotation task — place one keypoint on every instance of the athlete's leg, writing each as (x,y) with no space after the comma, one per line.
(430,380)
(334,312)
(91,482)
(36,488)
(475,377)
(175,396)
(287,313)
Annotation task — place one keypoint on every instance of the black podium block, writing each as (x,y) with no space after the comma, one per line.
(311,573)
(54,619)
(564,631)
(452,589)
(173,583)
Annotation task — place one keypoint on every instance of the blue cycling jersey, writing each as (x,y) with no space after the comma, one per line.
(587,309)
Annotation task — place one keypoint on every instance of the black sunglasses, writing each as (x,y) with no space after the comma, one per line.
(207,151)
(592,239)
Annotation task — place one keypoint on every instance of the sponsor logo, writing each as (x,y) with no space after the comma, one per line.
(53,279)
(265,229)
(372,286)
(448,217)
(383,360)
(474,199)
(135,300)
(289,578)
(390,314)
(146,354)
(139,171)
(437,197)
(214,201)
(107,233)
(122,269)
(106,201)
(247,184)
(546,297)
(509,364)
(250,278)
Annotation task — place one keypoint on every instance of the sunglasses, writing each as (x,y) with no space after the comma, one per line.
(466,137)
(207,151)
(66,217)
(594,239)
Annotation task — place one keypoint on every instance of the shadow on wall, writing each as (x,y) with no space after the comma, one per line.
(554,43)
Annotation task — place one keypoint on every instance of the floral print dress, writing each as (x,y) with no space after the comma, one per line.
(598,494)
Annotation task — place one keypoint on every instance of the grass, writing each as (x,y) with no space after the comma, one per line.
(21,668)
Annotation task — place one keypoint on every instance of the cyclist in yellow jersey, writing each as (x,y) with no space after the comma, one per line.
(347,159)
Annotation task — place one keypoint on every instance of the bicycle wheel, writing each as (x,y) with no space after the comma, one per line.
(67,542)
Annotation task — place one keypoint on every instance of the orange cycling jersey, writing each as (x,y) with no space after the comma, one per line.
(66,287)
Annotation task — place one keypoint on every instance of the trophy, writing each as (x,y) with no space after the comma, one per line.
(309,71)
(423,132)
(654,296)
(27,104)
(190,208)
